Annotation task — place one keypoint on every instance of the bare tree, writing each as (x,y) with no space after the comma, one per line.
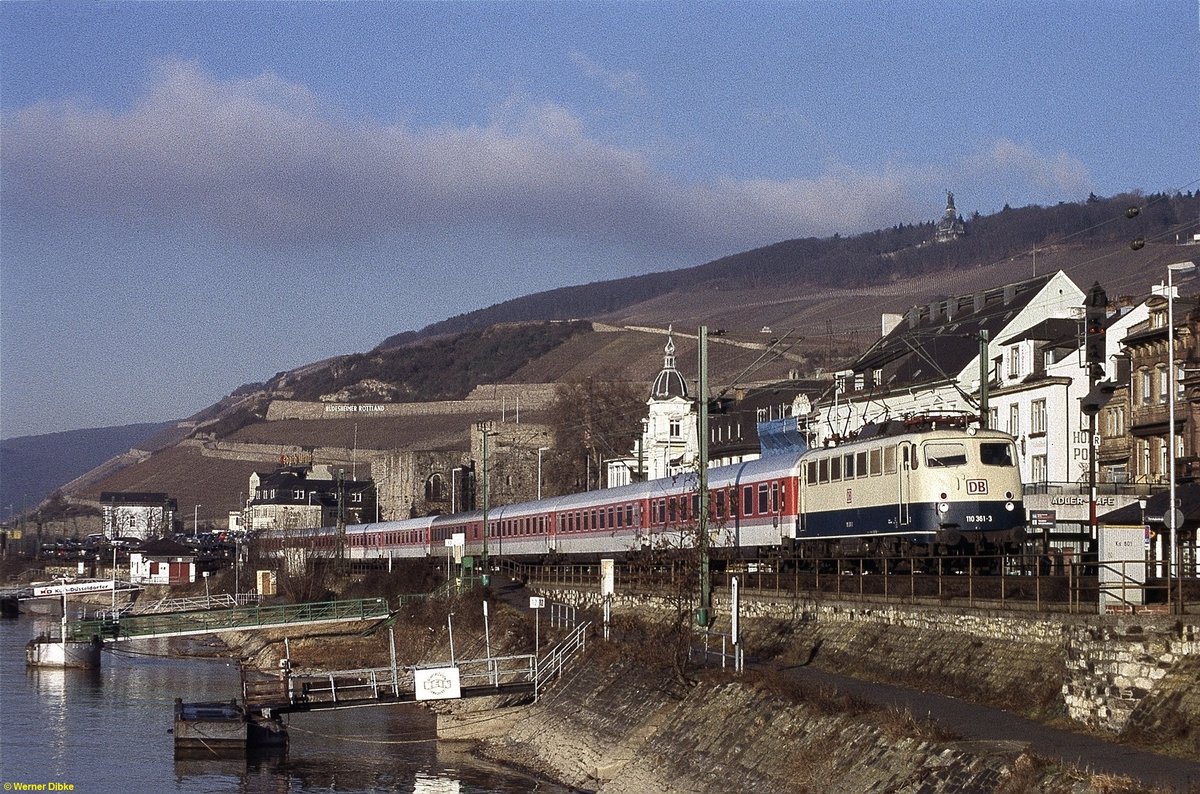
(668,563)
(591,421)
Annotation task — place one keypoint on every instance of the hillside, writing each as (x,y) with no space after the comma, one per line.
(31,467)
(800,306)
(1096,230)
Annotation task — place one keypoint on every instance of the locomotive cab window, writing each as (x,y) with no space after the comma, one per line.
(996,453)
(941,454)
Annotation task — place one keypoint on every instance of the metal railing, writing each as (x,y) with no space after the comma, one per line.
(358,686)
(219,620)
(551,665)
(194,603)
(337,686)
(730,653)
(1026,582)
(1139,489)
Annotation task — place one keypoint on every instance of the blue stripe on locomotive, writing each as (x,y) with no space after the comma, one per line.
(923,519)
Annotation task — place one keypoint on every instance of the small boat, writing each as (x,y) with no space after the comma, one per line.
(48,651)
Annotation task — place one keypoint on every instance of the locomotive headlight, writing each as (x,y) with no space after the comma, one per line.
(943,507)
(1008,494)
(1008,506)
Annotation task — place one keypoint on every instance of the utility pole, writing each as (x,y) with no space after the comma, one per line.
(341,517)
(703,613)
(485,429)
(1095,315)
(984,372)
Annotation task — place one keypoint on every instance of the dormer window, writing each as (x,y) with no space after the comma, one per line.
(1014,362)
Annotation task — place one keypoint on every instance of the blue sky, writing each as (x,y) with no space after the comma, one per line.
(198,195)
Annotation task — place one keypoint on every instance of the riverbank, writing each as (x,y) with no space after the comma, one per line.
(622,722)
(628,719)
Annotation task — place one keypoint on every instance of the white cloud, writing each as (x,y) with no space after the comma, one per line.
(624,82)
(1050,176)
(261,161)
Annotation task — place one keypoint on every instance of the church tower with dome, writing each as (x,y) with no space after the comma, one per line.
(669,444)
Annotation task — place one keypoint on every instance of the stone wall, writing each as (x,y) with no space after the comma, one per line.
(498,399)
(1117,669)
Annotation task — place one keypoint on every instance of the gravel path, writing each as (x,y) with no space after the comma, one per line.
(975,722)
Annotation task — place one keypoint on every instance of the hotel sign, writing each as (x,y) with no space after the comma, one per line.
(355,408)
(1073,508)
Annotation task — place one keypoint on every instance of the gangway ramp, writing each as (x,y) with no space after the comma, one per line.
(288,692)
(215,621)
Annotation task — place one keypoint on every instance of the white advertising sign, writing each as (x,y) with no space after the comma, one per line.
(437,683)
(71,588)
(1122,566)
(607,578)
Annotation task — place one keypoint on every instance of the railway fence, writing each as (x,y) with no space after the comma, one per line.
(1004,581)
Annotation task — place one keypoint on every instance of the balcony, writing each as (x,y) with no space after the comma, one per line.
(1106,488)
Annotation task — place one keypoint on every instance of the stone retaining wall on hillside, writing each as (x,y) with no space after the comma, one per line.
(269,453)
(1103,671)
(495,398)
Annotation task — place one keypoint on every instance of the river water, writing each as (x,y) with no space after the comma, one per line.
(107,730)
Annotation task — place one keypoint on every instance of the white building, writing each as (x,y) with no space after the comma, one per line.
(669,444)
(1040,379)
(137,515)
(928,362)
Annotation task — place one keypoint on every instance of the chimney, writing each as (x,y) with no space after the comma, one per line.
(935,312)
(1010,292)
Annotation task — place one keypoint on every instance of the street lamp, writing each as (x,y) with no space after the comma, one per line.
(540,451)
(1183,269)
